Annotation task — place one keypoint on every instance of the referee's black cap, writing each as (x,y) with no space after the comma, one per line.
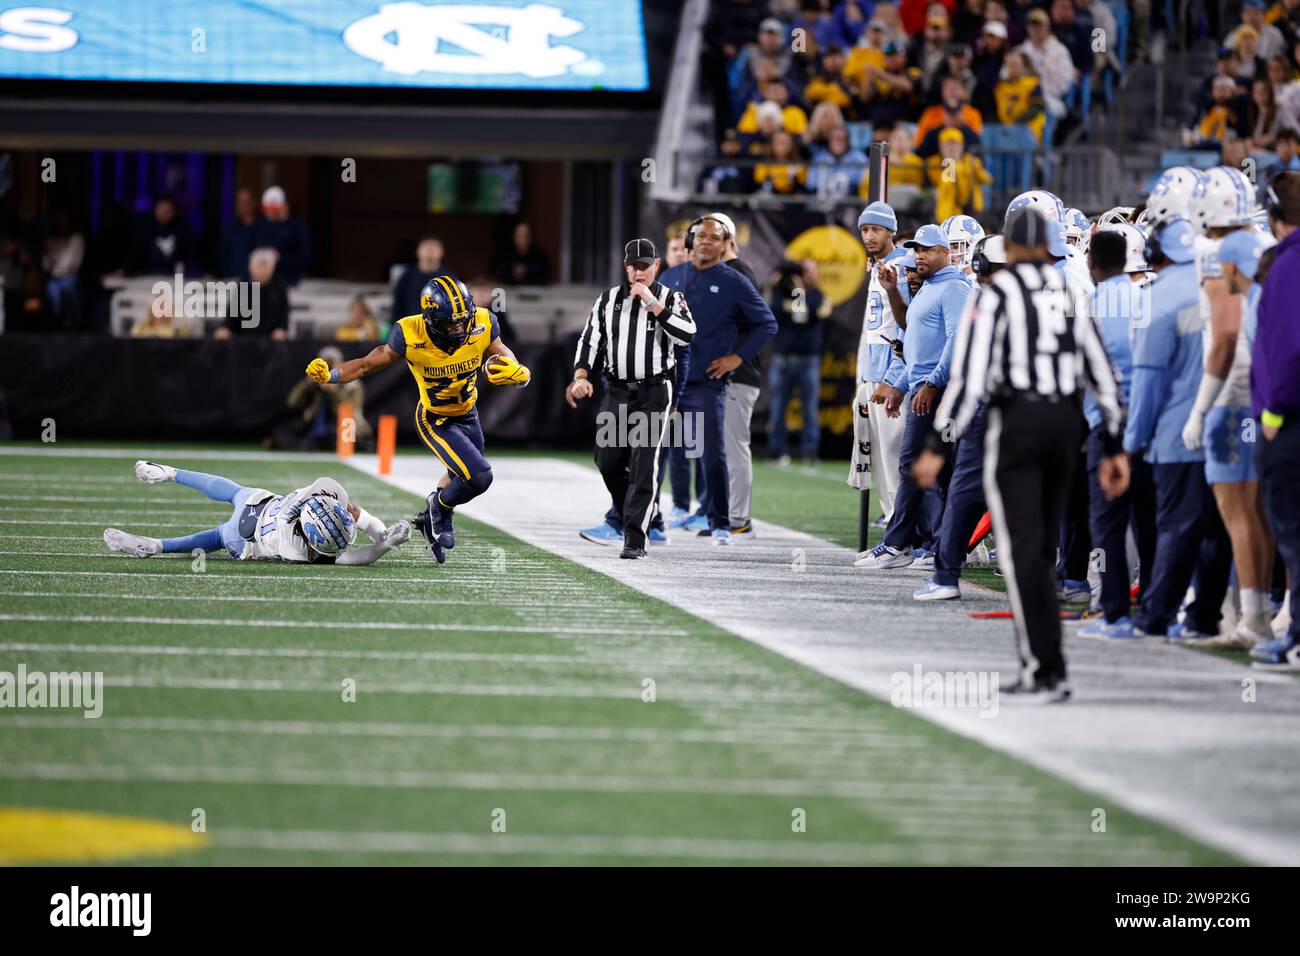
(1025,227)
(639,252)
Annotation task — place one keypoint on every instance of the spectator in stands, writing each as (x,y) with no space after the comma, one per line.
(957,176)
(818,23)
(157,322)
(287,236)
(914,15)
(1261,117)
(852,17)
(1271,41)
(64,251)
(361,325)
(521,262)
(726,175)
(772,45)
(756,89)
(1225,65)
(782,172)
(906,169)
(869,52)
(1223,119)
(827,84)
(1074,29)
(799,307)
(1286,92)
(270,316)
(958,64)
(1233,153)
(891,91)
(996,11)
(1249,63)
(837,170)
(825,118)
(759,143)
(164,243)
(990,51)
(793,119)
(237,243)
(406,290)
(952,111)
(1285,15)
(1019,96)
(1285,145)
(928,52)
(1050,59)
(968,20)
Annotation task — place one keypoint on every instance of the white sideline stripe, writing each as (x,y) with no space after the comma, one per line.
(422,779)
(794,850)
(314,625)
(303,728)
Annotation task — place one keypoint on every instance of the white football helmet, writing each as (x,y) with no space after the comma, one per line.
(1077,225)
(1135,242)
(1223,198)
(1049,206)
(1171,196)
(962,232)
(1116,215)
(327,525)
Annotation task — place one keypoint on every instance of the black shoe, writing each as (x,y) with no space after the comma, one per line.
(1040,692)
(440,521)
(632,554)
(422,523)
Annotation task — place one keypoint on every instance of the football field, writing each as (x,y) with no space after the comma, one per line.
(512,706)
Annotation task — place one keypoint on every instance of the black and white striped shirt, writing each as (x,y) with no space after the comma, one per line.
(1028,333)
(630,342)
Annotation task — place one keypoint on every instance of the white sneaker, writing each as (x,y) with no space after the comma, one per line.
(979,558)
(1282,622)
(722,536)
(132,544)
(883,557)
(154,473)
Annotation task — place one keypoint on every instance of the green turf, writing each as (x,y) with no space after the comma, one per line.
(507,680)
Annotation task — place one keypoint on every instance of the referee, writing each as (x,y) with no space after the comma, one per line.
(631,333)
(1027,346)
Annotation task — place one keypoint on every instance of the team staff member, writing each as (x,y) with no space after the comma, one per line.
(632,333)
(1275,397)
(1027,349)
(444,346)
(928,341)
(732,324)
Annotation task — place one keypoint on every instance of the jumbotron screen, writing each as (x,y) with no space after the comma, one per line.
(490,44)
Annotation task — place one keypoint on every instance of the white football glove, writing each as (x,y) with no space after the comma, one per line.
(397,533)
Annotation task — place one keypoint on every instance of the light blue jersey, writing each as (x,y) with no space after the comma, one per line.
(1114,304)
(879,330)
(932,318)
(1167,363)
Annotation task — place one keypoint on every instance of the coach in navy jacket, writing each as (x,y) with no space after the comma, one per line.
(732,324)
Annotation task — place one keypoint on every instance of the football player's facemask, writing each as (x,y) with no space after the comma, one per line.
(448,311)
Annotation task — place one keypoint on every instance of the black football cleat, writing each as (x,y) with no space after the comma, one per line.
(434,546)
(632,554)
(440,521)
(1040,692)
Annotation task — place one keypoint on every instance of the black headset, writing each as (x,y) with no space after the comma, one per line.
(690,231)
(979,262)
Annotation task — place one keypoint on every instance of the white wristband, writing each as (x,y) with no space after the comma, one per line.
(371,525)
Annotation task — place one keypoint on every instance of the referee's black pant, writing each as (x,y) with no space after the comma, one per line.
(628,454)
(1030,452)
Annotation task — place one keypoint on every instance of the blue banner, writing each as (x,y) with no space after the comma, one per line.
(488,44)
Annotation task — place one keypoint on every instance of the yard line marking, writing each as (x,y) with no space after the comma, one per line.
(153,454)
(633,847)
(966,792)
(303,728)
(315,625)
(185,650)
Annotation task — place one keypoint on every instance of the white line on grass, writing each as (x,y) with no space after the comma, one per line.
(312,625)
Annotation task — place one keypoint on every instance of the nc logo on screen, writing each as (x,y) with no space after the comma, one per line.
(495,40)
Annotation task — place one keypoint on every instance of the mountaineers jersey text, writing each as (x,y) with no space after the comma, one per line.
(447,382)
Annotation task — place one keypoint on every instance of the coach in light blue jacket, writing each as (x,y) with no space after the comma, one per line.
(1167,363)
(922,373)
